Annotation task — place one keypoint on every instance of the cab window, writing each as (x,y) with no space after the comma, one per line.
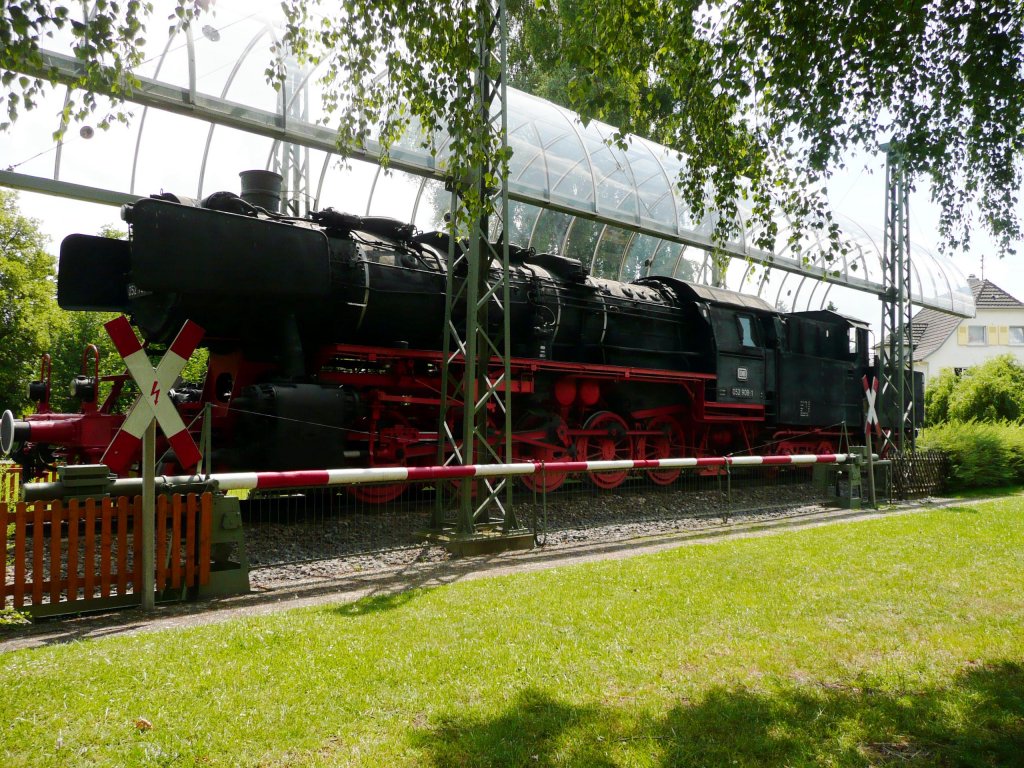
(746,326)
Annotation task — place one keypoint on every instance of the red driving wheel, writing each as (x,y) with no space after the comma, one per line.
(392,433)
(669,444)
(613,444)
(537,439)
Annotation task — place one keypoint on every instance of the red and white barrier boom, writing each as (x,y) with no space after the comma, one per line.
(314,478)
(326,477)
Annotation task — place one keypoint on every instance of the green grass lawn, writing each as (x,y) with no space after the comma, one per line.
(986,493)
(891,642)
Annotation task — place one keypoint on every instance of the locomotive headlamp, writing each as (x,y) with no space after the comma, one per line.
(83,388)
(6,432)
(37,391)
(12,432)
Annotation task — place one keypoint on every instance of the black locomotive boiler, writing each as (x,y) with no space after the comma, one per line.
(324,338)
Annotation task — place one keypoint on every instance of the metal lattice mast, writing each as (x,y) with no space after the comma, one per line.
(896,366)
(476,398)
(292,162)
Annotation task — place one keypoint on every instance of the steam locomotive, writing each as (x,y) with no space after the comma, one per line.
(324,336)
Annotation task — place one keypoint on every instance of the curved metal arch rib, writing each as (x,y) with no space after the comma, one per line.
(223,94)
(951,295)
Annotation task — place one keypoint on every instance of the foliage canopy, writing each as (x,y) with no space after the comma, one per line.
(27,304)
(764,97)
(31,323)
(993,391)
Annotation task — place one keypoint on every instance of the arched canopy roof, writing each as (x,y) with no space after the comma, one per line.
(208,113)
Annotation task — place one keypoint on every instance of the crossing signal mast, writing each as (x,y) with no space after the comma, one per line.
(476,372)
(152,407)
(896,358)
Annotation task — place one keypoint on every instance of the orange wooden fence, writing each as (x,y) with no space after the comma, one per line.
(71,556)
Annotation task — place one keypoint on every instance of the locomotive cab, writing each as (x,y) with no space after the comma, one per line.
(737,333)
(819,368)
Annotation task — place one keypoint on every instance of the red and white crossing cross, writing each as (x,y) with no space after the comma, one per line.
(871,393)
(153,401)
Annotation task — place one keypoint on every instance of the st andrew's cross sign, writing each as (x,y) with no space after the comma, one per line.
(153,401)
(871,394)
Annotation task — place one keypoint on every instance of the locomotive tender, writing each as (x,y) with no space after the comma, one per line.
(324,338)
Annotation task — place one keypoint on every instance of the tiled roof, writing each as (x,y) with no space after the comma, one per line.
(932,328)
(989,295)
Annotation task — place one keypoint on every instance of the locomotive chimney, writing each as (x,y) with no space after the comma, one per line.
(262,189)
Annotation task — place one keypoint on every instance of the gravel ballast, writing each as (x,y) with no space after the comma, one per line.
(328,547)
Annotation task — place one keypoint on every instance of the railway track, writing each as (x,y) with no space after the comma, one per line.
(320,538)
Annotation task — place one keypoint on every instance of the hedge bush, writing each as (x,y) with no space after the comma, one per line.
(936,396)
(981,454)
(992,391)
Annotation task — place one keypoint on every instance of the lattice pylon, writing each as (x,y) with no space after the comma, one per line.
(476,374)
(896,364)
(292,160)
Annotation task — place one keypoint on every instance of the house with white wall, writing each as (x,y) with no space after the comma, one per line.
(944,341)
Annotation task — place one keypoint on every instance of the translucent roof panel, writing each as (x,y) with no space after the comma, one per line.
(205,112)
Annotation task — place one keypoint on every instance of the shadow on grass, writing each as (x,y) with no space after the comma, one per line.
(532,731)
(977,720)
(388,601)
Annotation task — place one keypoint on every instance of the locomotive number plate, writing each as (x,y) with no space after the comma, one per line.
(742,392)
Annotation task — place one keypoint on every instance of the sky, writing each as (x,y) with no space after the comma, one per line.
(172,147)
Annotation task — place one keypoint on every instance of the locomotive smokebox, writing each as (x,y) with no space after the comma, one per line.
(263,189)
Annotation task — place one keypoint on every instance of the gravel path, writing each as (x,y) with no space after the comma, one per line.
(336,547)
